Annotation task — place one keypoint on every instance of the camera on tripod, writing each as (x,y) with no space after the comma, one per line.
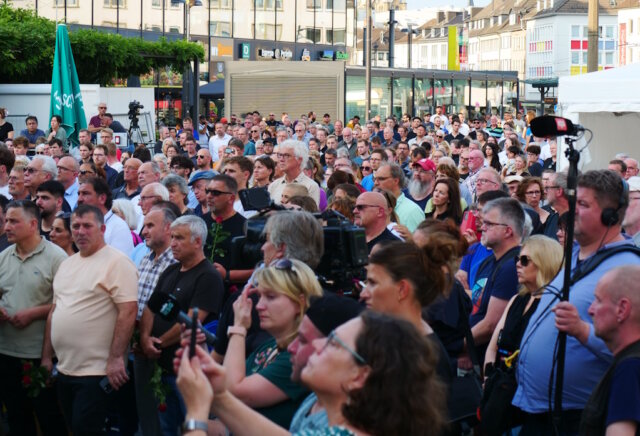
(134,112)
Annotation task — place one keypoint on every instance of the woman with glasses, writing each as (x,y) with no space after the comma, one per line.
(373,375)
(531,192)
(88,170)
(262,380)
(61,234)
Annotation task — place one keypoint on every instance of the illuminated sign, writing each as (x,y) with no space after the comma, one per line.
(266,53)
(326,55)
(246,51)
(342,56)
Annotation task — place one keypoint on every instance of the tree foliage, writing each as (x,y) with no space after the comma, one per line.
(29,44)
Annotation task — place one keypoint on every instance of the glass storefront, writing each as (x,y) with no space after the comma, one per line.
(494,97)
(460,96)
(402,96)
(419,95)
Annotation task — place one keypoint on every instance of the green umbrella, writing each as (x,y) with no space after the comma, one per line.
(66,98)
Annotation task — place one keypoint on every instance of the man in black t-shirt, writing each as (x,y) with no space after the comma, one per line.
(194,282)
(223,224)
(371,212)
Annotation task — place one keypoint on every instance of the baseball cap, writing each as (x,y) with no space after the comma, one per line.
(426,164)
(224,121)
(513,178)
(202,175)
(634,183)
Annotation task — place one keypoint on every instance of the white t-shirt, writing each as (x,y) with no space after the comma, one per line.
(117,233)
(215,142)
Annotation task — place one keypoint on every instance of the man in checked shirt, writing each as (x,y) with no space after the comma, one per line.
(157,236)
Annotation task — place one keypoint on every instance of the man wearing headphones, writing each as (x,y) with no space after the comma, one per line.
(602,198)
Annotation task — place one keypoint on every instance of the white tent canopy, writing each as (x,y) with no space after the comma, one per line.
(608,103)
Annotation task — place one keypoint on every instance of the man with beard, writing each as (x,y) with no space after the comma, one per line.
(420,185)
(49,198)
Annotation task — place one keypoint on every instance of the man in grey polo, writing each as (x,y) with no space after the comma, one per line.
(27,269)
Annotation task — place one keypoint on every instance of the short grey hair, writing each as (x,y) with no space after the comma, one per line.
(343,153)
(48,165)
(300,232)
(154,167)
(396,172)
(511,211)
(175,180)
(197,227)
(300,150)
(158,189)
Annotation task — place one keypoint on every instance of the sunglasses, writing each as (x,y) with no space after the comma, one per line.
(85,172)
(285,265)
(215,192)
(524,260)
(366,168)
(361,207)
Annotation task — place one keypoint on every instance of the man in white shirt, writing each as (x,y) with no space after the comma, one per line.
(96,192)
(292,157)
(221,138)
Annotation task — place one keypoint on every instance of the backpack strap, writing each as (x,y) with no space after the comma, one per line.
(594,261)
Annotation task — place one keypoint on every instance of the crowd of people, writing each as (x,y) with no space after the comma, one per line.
(464,223)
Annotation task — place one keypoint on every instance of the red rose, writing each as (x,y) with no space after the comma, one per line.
(26,366)
(162,407)
(26,380)
(219,219)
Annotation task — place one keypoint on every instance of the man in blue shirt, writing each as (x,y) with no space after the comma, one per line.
(496,280)
(32,133)
(587,357)
(377,157)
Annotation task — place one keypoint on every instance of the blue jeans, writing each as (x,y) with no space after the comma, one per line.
(172,418)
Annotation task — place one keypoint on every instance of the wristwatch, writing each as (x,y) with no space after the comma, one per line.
(236,330)
(192,424)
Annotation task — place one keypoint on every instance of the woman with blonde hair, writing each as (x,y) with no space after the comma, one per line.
(539,262)
(262,380)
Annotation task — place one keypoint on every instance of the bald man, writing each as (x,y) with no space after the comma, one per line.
(372,213)
(614,405)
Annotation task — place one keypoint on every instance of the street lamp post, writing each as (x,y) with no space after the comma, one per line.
(367,53)
(189,80)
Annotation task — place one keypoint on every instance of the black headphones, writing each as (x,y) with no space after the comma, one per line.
(610,216)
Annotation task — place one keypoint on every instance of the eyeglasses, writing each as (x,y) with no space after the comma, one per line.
(485,181)
(255,131)
(524,260)
(216,193)
(85,172)
(334,340)
(285,156)
(60,167)
(548,188)
(366,168)
(380,179)
(488,224)
(533,193)
(30,170)
(148,197)
(200,156)
(361,207)
(39,152)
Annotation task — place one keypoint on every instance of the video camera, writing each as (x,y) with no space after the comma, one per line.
(345,246)
(134,111)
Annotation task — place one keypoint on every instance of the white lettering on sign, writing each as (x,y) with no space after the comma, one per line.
(66,100)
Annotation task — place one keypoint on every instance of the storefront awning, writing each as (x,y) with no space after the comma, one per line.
(213,89)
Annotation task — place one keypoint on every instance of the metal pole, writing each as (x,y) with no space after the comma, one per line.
(367,54)
(592,50)
(410,41)
(392,35)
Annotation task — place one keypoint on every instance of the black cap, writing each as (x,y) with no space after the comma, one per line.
(331,311)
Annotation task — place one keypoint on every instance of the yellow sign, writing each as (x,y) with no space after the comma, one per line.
(453,57)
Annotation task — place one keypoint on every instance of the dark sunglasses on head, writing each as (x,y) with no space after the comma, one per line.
(524,260)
